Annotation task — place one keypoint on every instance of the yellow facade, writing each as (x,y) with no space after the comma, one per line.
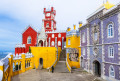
(48,54)
(50,57)
(73,41)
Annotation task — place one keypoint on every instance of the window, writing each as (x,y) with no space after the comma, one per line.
(111,52)
(83,37)
(68,41)
(95,36)
(52,43)
(110,30)
(47,25)
(59,35)
(111,71)
(52,35)
(59,43)
(83,51)
(29,40)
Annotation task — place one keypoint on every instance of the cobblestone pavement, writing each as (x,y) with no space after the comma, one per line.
(44,75)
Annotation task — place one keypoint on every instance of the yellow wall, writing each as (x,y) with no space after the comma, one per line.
(74,43)
(49,55)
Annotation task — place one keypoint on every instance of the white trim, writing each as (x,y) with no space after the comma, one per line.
(111,23)
(29,37)
(53,35)
(110,49)
(69,41)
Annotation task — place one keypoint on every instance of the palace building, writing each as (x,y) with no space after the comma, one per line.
(49,36)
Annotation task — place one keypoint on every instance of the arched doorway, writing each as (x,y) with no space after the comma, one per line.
(97,68)
(41,61)
(40,43)
(82,62)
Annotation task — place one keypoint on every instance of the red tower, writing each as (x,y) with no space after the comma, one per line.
(49,21)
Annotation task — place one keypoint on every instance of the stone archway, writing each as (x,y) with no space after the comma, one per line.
(40,43)
(96,68)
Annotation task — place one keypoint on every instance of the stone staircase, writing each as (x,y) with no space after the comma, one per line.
(63,55)
(61,65)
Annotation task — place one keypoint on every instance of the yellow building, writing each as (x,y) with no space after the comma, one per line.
(72,48)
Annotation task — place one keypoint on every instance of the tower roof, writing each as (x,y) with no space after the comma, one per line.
(42,35)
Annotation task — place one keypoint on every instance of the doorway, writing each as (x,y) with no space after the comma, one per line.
(97,68)
(41,61)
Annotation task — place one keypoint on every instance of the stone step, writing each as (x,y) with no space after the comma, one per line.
(61,67)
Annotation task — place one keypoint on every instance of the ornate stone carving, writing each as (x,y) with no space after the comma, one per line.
(95,34)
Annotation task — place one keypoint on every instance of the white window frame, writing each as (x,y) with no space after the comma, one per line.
(29,38)
(110,51)
(47,25)
(52,35)
(83,51)
(109,28)
(59,43)
(68,41)
(111,71)
(83,37)
(52,43)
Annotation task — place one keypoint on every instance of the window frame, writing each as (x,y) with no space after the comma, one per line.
(111,66)
(111,50)
(68,41)
(83,51)
(53,43)
(52,35)
(29,38)
(83,37)
(109,28)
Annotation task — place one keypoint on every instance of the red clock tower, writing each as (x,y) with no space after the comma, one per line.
(49,21)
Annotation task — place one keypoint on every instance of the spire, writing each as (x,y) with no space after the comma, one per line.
(42,35)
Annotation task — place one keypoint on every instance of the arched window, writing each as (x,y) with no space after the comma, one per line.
(29,40)
(83,49)
(52,35)
(59,35)
(111,52)
(83,37)
(59,43)
(68,41)
(52,43)
(110,30)
(111,71)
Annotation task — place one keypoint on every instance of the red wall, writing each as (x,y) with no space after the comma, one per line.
(29,32)
(58,38)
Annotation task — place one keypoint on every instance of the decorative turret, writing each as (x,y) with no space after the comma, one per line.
(49,21)
(80,24)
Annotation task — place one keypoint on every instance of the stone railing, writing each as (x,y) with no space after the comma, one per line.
(68,63)
(12,65)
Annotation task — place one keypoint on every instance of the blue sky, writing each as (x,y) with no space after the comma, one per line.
(16,15)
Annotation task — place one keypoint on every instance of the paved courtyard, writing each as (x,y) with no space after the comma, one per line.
(60,74)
